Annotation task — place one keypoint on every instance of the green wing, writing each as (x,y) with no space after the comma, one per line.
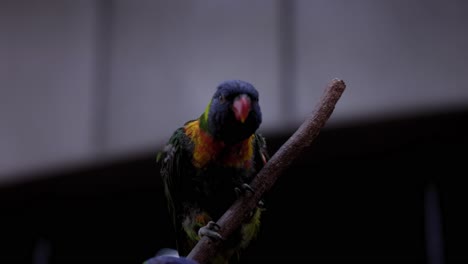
(176,168)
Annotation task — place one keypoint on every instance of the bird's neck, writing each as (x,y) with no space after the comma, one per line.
(208,150)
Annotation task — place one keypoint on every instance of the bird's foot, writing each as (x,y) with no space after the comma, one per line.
(243,189)
(210,230)
(261,204)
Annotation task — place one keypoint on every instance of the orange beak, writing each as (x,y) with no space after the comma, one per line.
(241,107)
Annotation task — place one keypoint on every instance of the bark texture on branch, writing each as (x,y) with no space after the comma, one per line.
(279,162)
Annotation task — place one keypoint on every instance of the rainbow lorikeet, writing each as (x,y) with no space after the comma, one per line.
(209,162)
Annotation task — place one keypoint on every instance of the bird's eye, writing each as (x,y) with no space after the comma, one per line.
(221,99)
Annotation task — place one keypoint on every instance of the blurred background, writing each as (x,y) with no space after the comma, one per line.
(91,90)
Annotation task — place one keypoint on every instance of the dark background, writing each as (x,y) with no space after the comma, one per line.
(359,194)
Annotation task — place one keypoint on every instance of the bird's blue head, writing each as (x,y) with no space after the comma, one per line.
(233,113)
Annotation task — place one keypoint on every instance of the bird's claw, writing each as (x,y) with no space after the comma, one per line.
(247,187)
(211,231)
(243,188)
(261,204)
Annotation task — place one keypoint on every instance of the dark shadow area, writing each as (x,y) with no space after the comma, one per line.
(357,195)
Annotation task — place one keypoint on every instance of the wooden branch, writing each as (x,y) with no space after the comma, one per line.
(279,162)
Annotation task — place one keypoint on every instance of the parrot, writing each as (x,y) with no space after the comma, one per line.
(208,163)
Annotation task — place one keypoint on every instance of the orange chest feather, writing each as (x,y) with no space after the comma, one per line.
(207,150)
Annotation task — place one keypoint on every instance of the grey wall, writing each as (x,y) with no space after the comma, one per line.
(84,81)
(396,56)
(46,84)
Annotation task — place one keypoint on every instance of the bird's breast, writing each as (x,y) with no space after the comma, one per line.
(208,151)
